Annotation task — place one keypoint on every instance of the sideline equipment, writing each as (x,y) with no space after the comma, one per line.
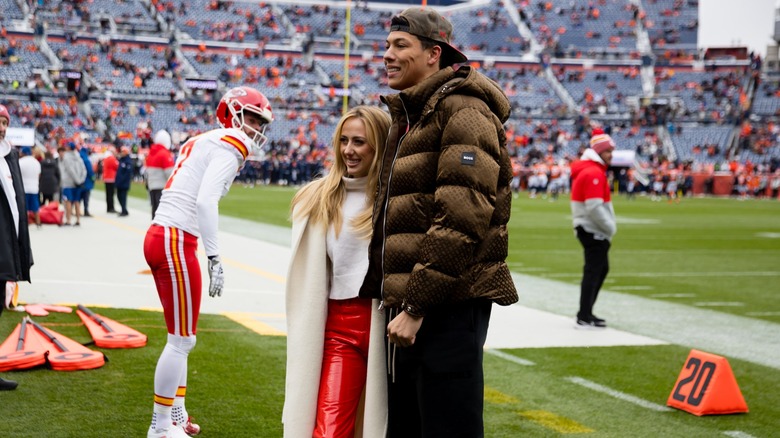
(706,386)
(23,349)
(108,333)
(65,354)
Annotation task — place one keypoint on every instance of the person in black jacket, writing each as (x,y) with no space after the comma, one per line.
(15,252)
(49,182)
(124,176)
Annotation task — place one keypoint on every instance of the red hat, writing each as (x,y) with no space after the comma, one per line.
(602,143)
(4,113)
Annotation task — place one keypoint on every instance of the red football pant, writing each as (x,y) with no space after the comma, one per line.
(344,365)
(171,254)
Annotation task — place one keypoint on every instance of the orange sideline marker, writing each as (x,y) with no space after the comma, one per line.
(44,309)
(108,333)
(65,354)
(23,349)
(706,386)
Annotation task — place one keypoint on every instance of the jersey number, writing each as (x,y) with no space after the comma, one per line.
(184,153)
(700,371)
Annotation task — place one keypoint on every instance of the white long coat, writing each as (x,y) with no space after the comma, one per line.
(307,308)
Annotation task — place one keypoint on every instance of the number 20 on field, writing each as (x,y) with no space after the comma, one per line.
(706,386)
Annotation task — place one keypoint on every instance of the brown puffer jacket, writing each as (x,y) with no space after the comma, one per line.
(443,199)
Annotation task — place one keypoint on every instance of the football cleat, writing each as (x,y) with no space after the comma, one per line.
(190,428)
(169,432)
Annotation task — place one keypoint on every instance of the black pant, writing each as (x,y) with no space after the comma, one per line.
(46,197)
(2,296)
(154,196)
(436,386)
(121,194)
(85,198)
(110,198)
(594,272)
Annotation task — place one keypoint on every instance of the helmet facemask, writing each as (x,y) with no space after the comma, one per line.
(258,136)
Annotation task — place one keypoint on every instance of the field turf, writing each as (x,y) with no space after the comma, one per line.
(721,255)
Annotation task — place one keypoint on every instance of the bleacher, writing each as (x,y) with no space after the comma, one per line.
(136,52)
(672,25)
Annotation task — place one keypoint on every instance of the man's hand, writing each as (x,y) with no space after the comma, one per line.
(403,329)
(216,277)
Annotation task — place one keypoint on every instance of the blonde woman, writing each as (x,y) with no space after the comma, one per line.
(336,384)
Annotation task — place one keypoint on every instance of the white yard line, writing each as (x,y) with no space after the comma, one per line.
(728,335)
(618,394)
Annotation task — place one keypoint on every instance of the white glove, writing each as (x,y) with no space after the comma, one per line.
(216,277)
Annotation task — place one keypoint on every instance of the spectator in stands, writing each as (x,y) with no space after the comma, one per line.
(15,251)
(189,210)
(110,168)
(50,178)
(594,221)
(89,181)
(159,165)
(332,228)
(31,173)
(440,259)
(73,173)
(124,177)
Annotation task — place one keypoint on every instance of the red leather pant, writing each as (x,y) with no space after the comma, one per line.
(344,364)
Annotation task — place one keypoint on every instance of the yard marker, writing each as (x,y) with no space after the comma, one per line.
(23,349)
(706,386)
(65,354)
(44,309)
(108,333)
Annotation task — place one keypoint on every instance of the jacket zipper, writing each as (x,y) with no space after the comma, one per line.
(387,202)
(390,347)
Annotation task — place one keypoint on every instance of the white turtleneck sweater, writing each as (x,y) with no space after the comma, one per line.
(7,183)
(348,253)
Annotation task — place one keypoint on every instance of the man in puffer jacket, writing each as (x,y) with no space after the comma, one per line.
(438,250)
(594,221)
(159,165)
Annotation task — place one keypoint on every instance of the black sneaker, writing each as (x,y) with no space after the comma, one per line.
(591,323)
(598,321)
(7,385)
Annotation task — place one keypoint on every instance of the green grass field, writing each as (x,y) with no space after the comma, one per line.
(718,254)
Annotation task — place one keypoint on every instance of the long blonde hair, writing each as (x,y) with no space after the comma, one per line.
(321,199)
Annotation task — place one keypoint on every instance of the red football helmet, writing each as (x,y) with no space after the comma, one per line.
(231,108)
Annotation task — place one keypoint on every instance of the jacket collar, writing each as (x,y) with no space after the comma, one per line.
(591,155)
(419,100)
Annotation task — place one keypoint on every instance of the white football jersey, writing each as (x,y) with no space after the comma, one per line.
(203,173)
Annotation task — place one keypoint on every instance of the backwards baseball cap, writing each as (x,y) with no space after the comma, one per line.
(601,143)
(427,23)
(4,113)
